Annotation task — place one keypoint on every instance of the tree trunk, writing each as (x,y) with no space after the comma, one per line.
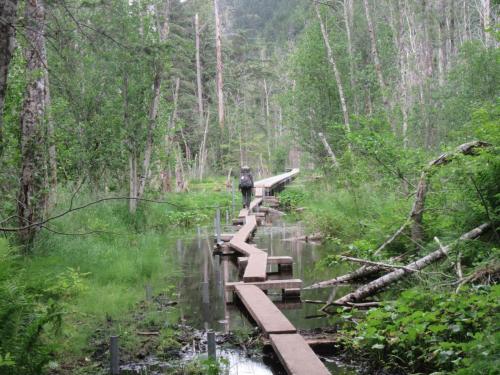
(376,285)
(485,18)
(133,182)
(333,64)
(218,53)
(328,149)
(202,156)
(153,110)
(33,166)
(198,71)
(348,25)
(376,61)
(8,11)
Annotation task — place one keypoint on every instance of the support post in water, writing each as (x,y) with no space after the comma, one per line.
(115,355)
(227,217)
(217,226)
(211,344)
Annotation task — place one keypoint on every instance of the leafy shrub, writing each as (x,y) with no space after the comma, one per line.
(427,331)
(292,198)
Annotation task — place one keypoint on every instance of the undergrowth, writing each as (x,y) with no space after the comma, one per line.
(87,273)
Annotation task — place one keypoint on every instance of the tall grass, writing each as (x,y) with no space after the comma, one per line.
(98,278)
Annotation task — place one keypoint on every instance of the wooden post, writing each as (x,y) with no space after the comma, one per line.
(211,344)
(115,355)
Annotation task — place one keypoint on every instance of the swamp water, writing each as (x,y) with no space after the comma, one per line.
(202,300)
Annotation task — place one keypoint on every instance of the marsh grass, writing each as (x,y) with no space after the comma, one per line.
(99,279)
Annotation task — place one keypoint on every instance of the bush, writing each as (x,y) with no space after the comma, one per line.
(425,331)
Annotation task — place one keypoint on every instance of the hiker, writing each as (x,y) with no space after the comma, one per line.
(246,185)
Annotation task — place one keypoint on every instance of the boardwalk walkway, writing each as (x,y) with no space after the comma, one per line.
(291,348)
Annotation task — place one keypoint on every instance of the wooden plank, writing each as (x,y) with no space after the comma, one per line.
(242,261)
(247,229)
(256,269)
(243,247)
(259,191)
(256,202)
(296,355)
(269,284)
(243,213)
(267,316)
(276,180)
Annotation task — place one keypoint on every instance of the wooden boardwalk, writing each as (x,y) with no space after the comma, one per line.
(292,350)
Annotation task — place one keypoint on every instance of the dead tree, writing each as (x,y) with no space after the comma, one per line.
(333,64)
(328,149)
(377,285)
(416,214)
(376,61)
(218,54)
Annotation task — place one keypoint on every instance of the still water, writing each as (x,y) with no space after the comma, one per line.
(203,303)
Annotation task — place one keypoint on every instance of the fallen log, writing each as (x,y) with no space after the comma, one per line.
(375,286)
(359,273)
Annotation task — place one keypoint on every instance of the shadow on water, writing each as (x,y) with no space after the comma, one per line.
(202,299)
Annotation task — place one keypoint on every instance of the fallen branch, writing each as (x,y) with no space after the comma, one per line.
(375,286)
(378,264)
(416,213)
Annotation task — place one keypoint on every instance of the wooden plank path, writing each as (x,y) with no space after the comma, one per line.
(292,350)
(267,316)
(263,187)
(296,355)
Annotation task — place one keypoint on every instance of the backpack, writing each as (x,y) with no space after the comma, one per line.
(246,181)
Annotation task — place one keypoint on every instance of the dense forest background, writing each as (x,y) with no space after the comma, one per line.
(145,100)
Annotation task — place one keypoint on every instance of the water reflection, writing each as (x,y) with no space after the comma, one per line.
(204,302)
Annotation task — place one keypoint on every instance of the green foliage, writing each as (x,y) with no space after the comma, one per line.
(426,331)
(29,316)
(292,198)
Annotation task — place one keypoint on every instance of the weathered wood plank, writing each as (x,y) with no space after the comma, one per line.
(242,261)
(267,316)
(296,355)
(244,247)
(256,269)
(269,284)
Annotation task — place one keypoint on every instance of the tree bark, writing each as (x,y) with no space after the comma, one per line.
(199,90)
(375,286)
(347,4)
(333,64)
(485,18)
(328,149)
(8,12)
(218,53)
(33,165)
(203,157)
